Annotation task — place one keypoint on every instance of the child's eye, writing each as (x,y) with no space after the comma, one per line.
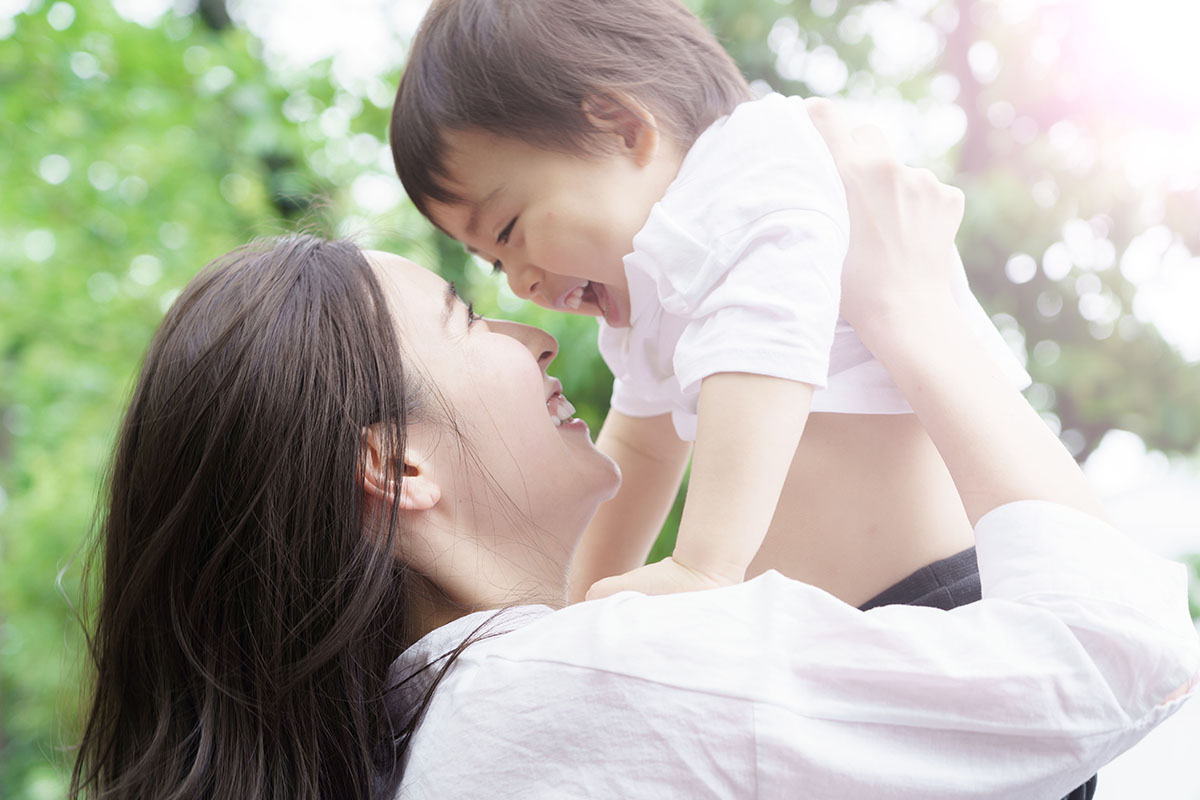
(471,315)
(497,267)
(504,234)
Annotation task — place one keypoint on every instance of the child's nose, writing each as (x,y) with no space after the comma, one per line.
(524,280)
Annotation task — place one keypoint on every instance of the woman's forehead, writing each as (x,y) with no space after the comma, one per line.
(422,304)
(386,263)
(398,274)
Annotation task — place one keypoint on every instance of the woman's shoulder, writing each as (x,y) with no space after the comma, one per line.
(537,711)
(628,683)
(695,640)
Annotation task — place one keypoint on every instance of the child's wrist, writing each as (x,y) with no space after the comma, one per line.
(716,570)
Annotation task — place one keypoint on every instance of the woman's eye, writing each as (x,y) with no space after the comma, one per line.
(504,234)
(497,267)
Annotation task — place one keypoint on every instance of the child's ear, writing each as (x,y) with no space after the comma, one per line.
(620,114)
(418,491)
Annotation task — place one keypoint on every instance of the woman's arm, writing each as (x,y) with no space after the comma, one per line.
(896,292)
(776,686)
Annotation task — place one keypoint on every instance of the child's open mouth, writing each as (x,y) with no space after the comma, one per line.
(598,296)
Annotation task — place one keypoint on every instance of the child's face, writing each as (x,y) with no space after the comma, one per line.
(557,225)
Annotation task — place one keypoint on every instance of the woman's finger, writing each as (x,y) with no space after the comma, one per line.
(832,124)
(871,138)
(951,197)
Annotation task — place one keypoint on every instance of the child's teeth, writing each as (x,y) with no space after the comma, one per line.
(573,299)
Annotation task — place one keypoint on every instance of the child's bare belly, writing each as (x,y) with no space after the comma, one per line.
(867,502)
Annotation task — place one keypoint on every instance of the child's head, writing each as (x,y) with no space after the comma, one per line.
(541,132)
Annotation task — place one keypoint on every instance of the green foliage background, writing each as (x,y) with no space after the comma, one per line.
(133,155)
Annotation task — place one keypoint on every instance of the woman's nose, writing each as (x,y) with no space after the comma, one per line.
(543,346)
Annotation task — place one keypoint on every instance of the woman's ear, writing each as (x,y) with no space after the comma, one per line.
(381,472)
(620,114)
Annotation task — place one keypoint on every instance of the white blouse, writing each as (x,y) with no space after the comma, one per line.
(774,688)
(738,269)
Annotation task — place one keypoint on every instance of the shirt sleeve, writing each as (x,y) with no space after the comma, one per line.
(747,246)
(629,401)
(772,310)
(1080,646)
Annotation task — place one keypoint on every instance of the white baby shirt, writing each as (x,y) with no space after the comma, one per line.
(738,269)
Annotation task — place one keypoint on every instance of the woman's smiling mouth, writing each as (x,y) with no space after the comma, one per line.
(558,405)
(560,409)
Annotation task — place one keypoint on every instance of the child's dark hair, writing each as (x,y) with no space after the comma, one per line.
(523,69)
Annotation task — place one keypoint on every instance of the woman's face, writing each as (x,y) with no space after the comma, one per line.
(509,414)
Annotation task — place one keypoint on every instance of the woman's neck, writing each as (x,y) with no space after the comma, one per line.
(508,571)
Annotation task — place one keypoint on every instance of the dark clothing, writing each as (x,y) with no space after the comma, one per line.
(946,584)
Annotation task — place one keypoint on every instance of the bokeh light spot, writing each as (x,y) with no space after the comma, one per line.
(60,16)
(1050,304)
(1020,268)
(102,287)
(85,65)
(54,169)
(102,175)
(145,269)
(39,245)
(144,12)
(1056,261)
(1047,352)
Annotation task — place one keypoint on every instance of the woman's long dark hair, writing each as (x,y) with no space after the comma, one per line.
(246,617)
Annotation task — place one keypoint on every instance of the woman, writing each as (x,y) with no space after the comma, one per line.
(329,461)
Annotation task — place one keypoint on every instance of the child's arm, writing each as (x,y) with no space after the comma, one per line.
(652,460)
(746,436)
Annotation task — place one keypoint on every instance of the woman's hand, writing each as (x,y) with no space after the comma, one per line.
(902,227)
(896,292)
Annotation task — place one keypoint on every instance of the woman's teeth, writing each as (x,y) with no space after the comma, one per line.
(560,409)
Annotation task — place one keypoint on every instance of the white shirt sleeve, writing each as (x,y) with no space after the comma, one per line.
(747,245)
(774,688)
(773,310)
(633,403)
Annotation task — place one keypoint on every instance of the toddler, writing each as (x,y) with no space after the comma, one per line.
(607,158)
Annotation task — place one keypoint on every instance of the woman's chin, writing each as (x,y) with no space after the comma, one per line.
(613,482)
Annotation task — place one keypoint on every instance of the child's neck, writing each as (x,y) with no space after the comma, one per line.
(666,164)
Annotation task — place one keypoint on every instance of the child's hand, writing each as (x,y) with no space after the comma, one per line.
(902,227)
(663,577)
